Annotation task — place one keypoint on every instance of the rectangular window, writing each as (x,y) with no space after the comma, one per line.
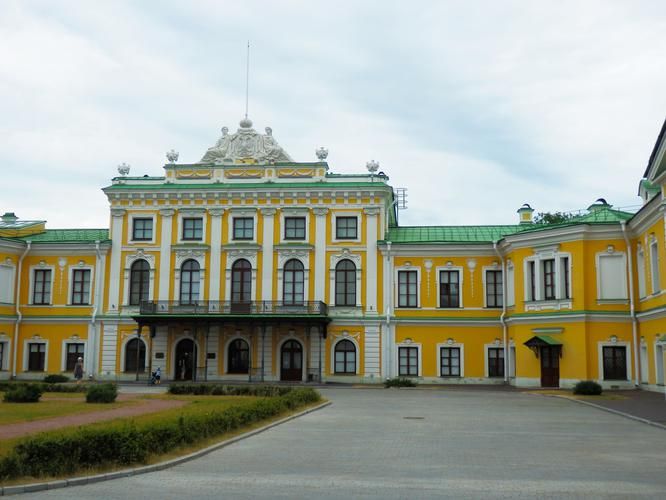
(142,229)
(2,355)
(612,277)
(407,289)
(408,361)
(495,362)
(294,228)
(449,361)
(36,356)
(243,228)
(81,287)
(654,267)
(6,284)
(449,289)
(615,362)
(565,284)
(74,352)
(346,228)
(510,286)
(640,265)
(193,228)
(548,279)
(41,287)
(494,291)
(531,280)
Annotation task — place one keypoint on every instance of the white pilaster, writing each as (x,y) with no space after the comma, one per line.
(159,342)
(214,346)
(118,214)
(109,345)
(371,260)
(215,253)
(267,254)
(165,252)
(372,353)
(320,253)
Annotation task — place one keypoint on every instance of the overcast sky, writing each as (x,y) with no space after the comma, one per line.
(476,107)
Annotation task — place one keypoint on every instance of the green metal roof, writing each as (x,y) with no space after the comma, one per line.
(450,234)
(539,340)
(67,236)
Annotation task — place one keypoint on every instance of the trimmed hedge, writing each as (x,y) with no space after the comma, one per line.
(52,454)
(6,386)
(399,382)
(587,388)
(230,390)
(56,378)
(24,393)
(102,393)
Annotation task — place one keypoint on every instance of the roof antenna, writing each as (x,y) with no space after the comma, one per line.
(247,77)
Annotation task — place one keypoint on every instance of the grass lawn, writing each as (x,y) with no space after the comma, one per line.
(52,404)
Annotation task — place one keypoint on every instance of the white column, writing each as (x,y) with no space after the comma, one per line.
(165,253)
(371,260)
(215,253)
(371,355)
(118,214)
(267,254)
(214,346)
(320,253)
(109,345)
(268,354)
(159,346)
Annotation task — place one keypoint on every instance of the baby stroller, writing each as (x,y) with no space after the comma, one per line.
(153,378)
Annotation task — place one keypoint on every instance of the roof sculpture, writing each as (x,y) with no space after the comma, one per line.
(245,144)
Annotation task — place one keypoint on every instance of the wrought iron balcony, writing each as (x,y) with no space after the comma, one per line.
(215,307)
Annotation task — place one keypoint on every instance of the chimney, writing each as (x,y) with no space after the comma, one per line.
(9,217)
(525,214)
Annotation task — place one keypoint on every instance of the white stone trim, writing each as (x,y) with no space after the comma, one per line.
(461,279)
(294,212)
(268,218)
(655,273)
(10,284)
(130,259)
(640,268)
(242,212)
(484,271)
(123,349)
(117,220)
(284,256)
(409,343)
(371,292)
(6,342)
(215,252)
(191,213)
(36,339)
(245,254)
(396,287)
(600,359)
(486,348)
(659,348)
(42,266)
(353,338)
(538,258)
(510,286)
(623,275)
(334,227)
(166,215)
(355,258)
(449,344)
(320,254)
(81,266)
(130,227)
(183,256)
(63,352)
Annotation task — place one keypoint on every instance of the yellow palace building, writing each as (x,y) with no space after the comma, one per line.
(248,265)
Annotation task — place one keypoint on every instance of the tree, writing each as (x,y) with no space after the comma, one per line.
(553,217)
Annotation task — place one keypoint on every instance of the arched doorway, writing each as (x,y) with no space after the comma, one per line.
(132,357)
(185,359)
(291,361)
(238,360)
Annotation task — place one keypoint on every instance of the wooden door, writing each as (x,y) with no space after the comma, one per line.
(291,361)
(186,355)
(550,366)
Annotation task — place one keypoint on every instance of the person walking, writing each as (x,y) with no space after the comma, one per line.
(158,375)
(78,370)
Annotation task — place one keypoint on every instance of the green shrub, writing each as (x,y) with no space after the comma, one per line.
(588,388)
(399,382)
(5,386)
(102,393)
(24,393)
(53,454)
(230,390)
(56,379)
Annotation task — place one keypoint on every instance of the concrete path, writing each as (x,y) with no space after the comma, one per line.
(421,444)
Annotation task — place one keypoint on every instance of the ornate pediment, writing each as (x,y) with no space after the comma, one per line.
(245,146)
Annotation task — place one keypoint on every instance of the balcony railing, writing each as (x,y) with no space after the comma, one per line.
(216,307)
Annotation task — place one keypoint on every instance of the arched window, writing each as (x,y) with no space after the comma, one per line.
(293,283)
(345,357)
(135,350)
(189,282)
(239,357)
(241,281)
(139,282)
(345,283)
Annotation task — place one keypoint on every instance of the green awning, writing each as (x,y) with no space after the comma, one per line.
(542,340)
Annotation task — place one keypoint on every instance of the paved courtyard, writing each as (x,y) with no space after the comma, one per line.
(376,443)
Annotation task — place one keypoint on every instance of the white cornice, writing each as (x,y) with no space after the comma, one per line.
(647,216)
(437,250)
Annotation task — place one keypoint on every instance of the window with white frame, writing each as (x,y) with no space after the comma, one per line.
(612,277)
(243,228)
(408,289)
(345,283)
(81,286)
(36,356)
(548,278)
(449,361)
(345,358)
(640,267)
(6,284)
(654,266)
(192,228)
(494,288)
(41,287)
(495,361)
(408,361)
(294,228)
(142,229)
(75,350)
(449,289)
(510,285)
(346,228)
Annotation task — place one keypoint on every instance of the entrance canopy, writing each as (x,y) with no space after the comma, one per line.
(539,341)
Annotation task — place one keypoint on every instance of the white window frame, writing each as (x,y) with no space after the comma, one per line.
(396,291)
(7,344)
(356,259)
(180,260)
(287,213)
(419,352)
(486,349)
(130,228)
(600,353)
(283,258)
(31,288)
(63,353)
(510,285)
(26,353)
(11,285)
(612,255)
(438,364)
(123,350)
(358,356)
(461,280)
(485,270)
(242,213)
(129,262)
(334,229)
(654,266)
(640,268)
(192,213)
(70,284)
(232,257)
(539,287)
